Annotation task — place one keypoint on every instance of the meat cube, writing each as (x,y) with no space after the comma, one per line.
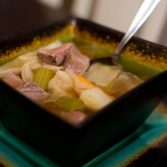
(74,117)
(68,55)
(13,80)
(76,62)
(55,56)
(33,91)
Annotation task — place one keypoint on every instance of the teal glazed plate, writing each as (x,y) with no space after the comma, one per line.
(68,145)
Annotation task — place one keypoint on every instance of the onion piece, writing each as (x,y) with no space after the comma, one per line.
(61,85)
(95,99)
(80,83)
(102,74)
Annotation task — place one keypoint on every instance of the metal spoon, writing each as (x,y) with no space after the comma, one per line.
(143,13)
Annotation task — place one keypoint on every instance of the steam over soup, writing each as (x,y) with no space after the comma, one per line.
(61,79)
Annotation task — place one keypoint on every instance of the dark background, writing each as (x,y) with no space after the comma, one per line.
(16,15)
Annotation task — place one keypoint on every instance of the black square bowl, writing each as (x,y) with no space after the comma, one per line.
(70,145)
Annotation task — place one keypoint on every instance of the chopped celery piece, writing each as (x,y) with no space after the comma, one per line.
(42,77)
(68,103)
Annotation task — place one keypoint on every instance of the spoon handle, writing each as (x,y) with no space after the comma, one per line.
(143,13)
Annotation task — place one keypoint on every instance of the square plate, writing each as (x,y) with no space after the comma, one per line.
(75,145)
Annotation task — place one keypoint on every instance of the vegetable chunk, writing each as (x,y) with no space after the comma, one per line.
(70,104)
(42,77)
(95,99)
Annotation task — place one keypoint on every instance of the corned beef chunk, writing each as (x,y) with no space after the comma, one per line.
(33,91)
(13,80)
(74,117)
(55,56)
(67,55)
(76,62)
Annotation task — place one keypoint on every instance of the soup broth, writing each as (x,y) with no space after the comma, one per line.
(64,81)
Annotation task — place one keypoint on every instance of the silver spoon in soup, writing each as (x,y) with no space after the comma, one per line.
(145,10)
